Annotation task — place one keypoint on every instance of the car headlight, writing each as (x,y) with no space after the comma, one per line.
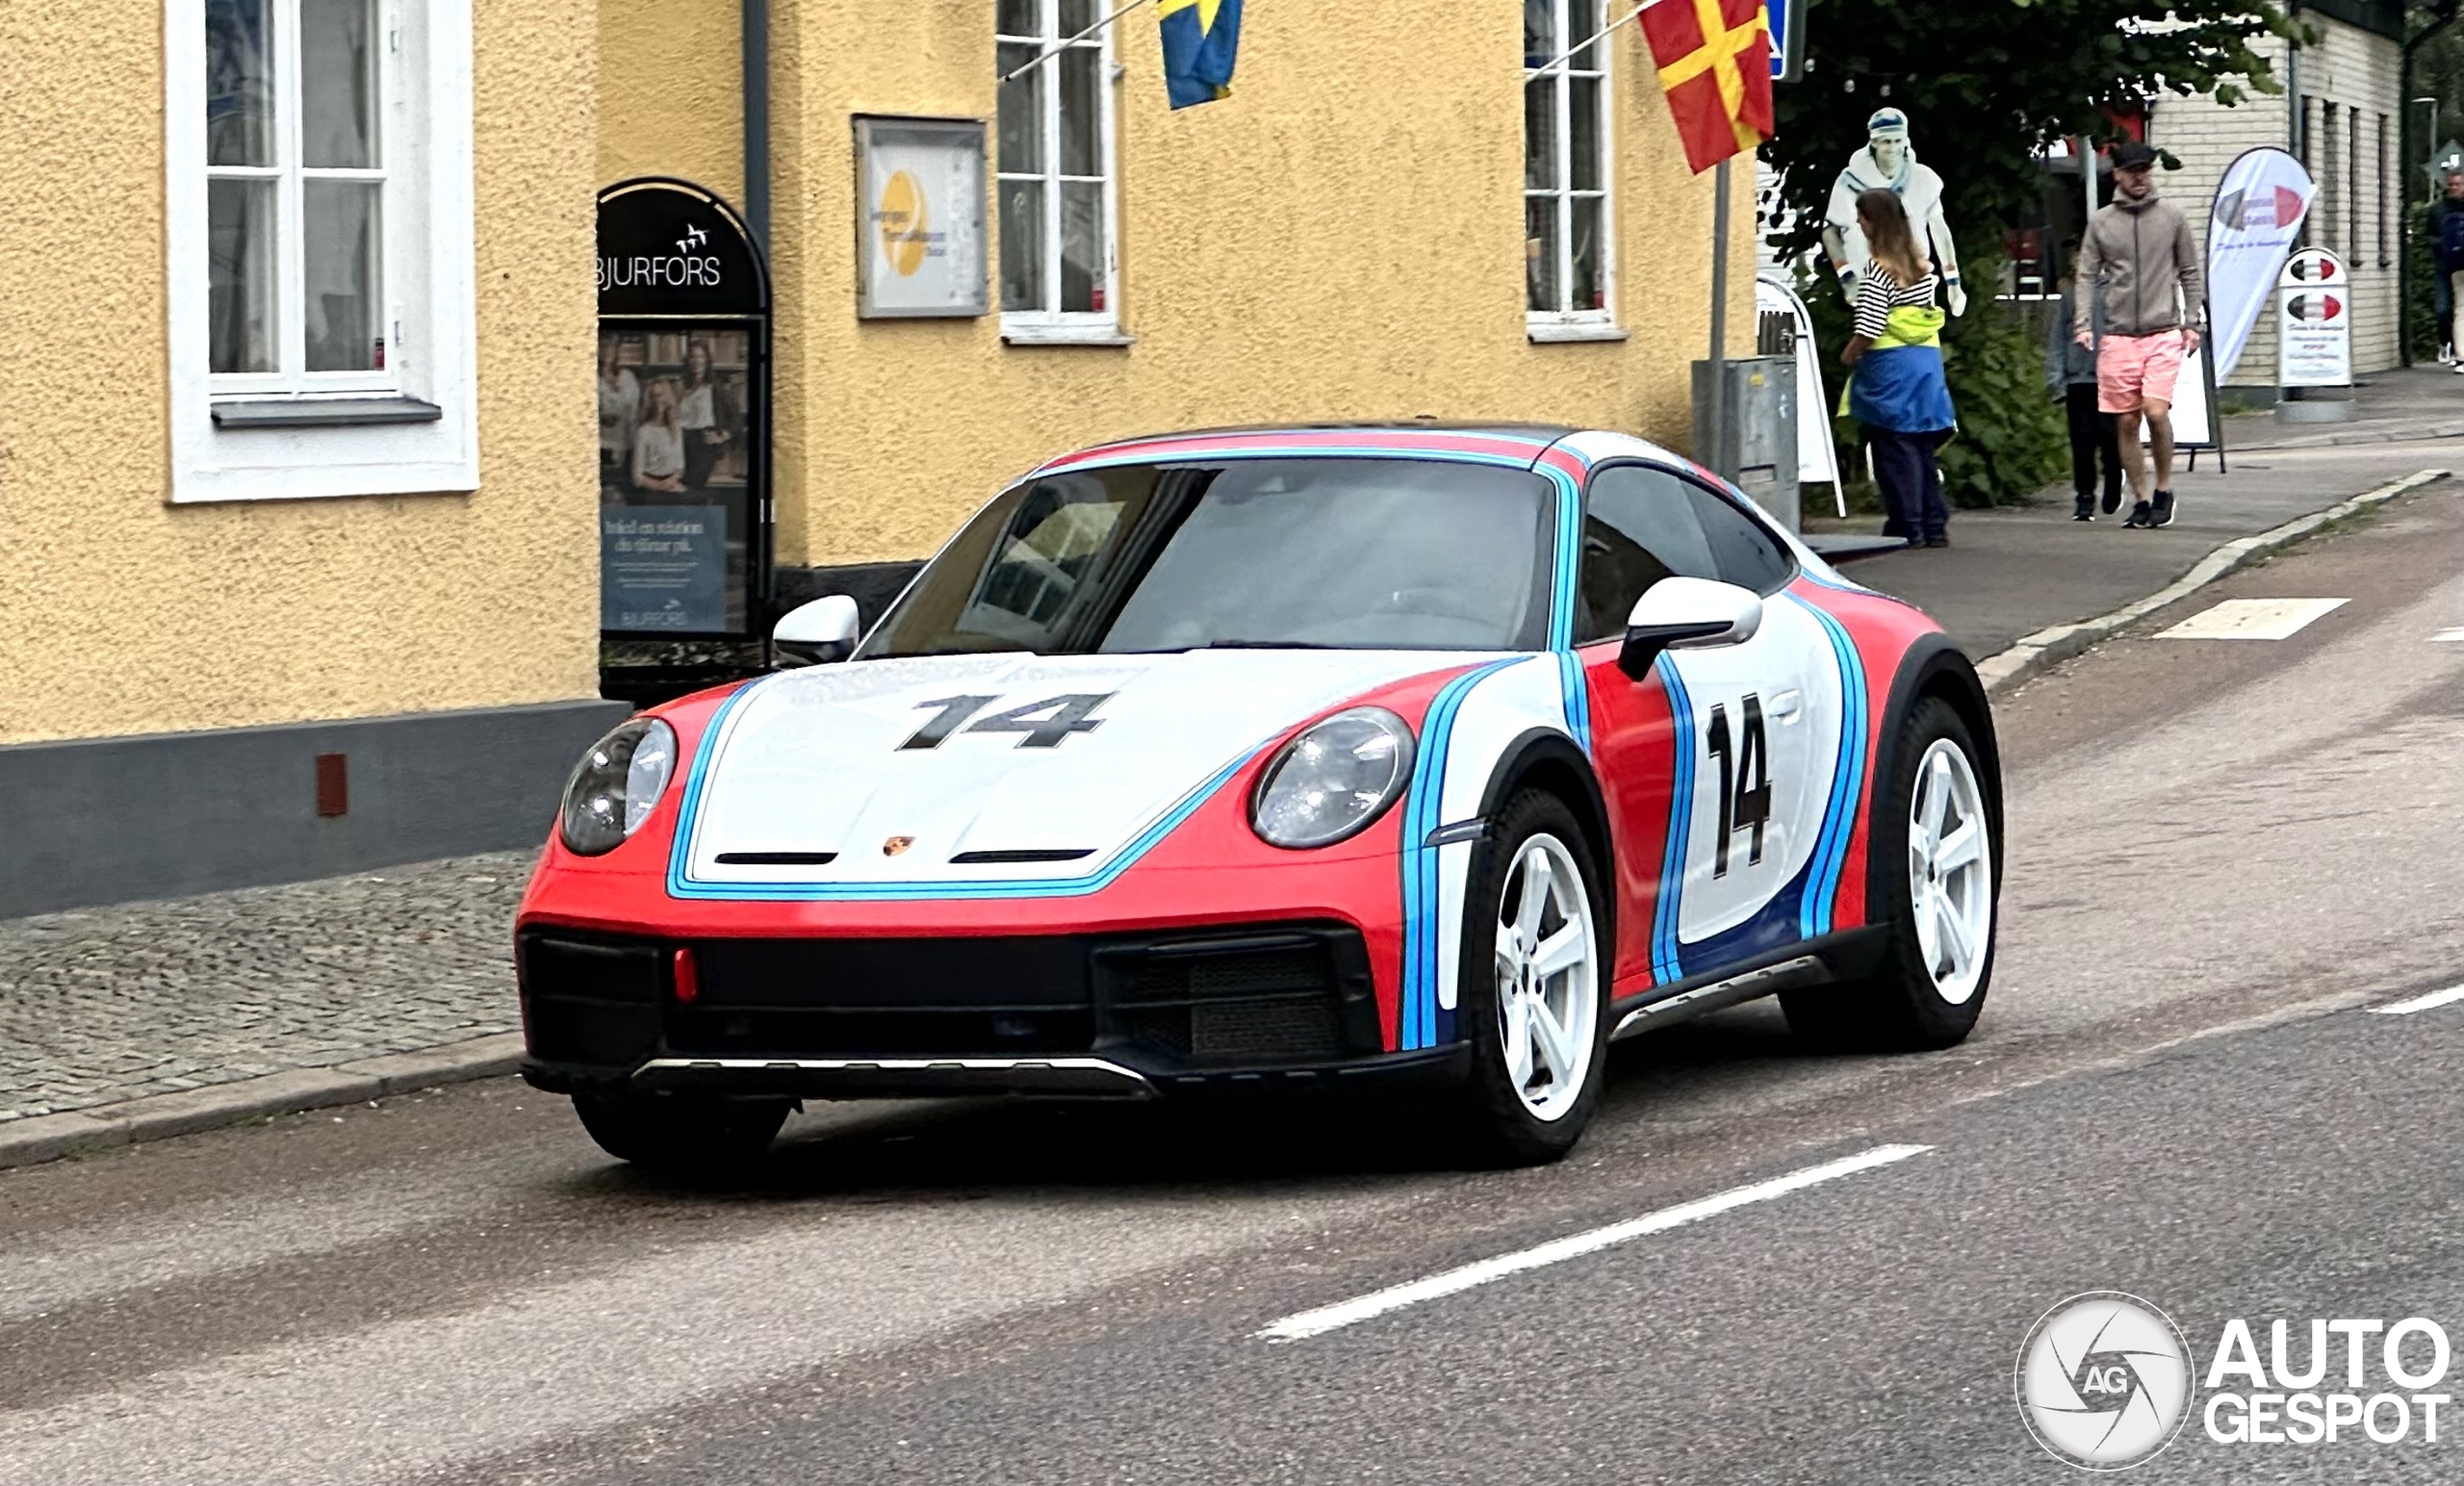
(617,786)
(1332,781)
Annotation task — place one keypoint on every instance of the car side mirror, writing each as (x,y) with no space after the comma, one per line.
(816,634)
(1687,613)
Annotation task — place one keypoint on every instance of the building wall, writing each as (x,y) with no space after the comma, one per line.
(1341,239)
(122,614)
(671,86)
(2350,67)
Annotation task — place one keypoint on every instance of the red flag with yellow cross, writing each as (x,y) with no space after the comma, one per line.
(1715,61)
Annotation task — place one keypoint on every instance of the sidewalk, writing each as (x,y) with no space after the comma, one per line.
(2014,569)
(2410,402)
(152,1018)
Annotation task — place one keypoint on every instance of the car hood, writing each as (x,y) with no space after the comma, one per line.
(840,761)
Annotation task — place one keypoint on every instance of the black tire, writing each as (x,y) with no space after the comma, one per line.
(1899,1007)
(1493,1125)
(681,1135)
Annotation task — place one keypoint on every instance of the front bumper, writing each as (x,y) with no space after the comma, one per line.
(1282,1007)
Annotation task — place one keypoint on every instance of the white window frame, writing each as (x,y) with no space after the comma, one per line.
(1576,323)
(1056,326)
(356,444)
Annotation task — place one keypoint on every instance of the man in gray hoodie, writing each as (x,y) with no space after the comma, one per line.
(2140,266)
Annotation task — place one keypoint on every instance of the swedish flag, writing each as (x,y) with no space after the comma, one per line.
(1199,39)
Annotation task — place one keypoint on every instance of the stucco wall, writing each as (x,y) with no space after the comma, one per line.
(121,614)
(1341,239)
(671,97)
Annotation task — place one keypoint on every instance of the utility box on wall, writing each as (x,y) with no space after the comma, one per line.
(1757,447)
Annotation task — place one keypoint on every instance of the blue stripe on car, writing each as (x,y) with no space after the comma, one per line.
(1421,1022)
(1847,779)
(1665,965)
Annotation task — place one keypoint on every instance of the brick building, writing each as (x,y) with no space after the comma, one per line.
(2342,113)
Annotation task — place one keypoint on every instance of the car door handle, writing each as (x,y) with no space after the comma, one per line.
(1787,704)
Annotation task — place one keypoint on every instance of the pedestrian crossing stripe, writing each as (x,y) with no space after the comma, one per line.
(2456,633)
(2253,619)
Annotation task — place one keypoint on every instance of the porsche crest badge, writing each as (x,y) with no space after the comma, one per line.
(896,844)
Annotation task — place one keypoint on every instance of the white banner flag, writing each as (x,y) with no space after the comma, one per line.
(2257,214)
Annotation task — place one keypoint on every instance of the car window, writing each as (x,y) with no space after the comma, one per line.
(1345,553)
(1041,559)
(1640,524)
(1743,551)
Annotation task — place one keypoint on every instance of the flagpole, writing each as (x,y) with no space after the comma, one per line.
(1596,37)
(1041,58)
(1718,459)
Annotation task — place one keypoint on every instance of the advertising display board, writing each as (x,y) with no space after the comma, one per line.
(2314,321)
(920,238)
(684,416)
(2252,222)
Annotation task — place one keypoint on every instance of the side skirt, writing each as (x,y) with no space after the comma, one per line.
(1847,955)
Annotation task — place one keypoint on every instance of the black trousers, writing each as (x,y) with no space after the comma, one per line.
(1911,478)
(2093,434)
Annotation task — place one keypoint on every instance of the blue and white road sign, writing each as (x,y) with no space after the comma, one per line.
(1787,40)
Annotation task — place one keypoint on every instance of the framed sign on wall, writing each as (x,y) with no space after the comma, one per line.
(919,218)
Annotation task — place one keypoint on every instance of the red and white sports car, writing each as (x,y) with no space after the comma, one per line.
(1280,760)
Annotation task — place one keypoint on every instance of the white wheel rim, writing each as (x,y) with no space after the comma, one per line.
(1950,871)
(1546,978)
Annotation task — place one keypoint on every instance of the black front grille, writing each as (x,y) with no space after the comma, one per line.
(887,998)
(1258,999)
(1263,998)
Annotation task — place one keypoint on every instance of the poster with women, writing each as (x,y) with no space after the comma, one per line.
(2256,215)
(674,467)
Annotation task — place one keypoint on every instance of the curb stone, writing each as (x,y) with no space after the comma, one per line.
(2032,654)
(50,1136)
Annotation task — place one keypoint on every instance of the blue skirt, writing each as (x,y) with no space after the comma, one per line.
(1901,389)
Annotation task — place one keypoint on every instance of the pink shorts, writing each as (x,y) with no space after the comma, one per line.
(2130,368)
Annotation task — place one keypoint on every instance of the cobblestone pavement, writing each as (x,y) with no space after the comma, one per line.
(144,998)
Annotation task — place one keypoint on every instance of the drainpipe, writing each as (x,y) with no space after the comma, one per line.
(756,122)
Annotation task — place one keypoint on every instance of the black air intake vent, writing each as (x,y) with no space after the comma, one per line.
(1024,854)
(777,858)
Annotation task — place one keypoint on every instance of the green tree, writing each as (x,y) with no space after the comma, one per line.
(1985,84)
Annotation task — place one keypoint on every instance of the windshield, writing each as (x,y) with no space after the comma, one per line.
(1354,554)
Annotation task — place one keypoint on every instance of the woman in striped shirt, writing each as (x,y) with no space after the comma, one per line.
(1896,389)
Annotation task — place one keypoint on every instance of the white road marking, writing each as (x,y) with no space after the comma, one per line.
(2456,633)
(2435,998)
(1318,1323)
(2252,619)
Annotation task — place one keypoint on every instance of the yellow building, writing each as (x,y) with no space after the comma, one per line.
(297,358)
(294,436)
(1393,215)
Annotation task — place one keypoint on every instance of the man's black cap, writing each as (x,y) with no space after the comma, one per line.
(2131,154)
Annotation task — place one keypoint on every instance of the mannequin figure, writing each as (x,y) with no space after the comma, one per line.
(1889,163)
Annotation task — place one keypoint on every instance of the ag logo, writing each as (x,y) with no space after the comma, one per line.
(2104,1381)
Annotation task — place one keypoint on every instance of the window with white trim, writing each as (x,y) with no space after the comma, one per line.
(1059,274)
(1569,264)
(318,158)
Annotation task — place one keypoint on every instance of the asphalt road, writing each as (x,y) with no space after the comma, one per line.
(2222,854)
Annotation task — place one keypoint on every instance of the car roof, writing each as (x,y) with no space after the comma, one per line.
(1518,439)
(1544,433)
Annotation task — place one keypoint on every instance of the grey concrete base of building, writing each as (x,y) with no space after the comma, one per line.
(112,819)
